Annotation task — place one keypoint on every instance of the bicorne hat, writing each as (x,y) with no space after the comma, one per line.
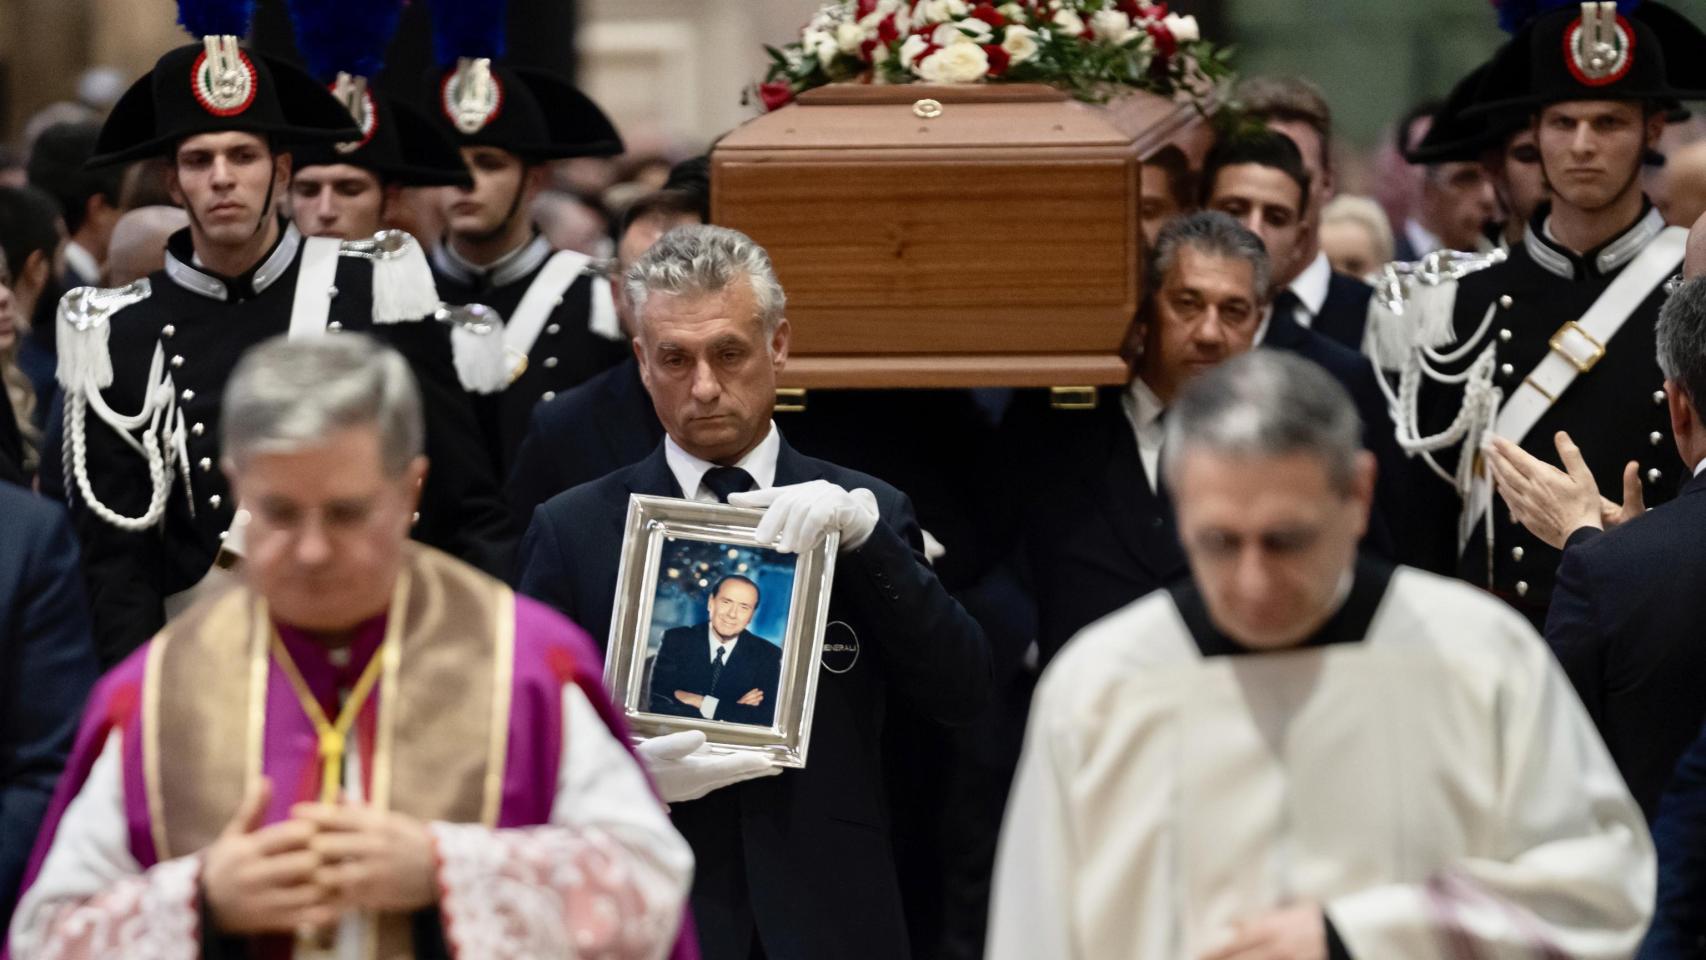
(216,86)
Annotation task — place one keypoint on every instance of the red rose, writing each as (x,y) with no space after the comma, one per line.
(989,15)
(865,50)
(1155,11)
(1165,43)
(887,32)
(1131,8)
(999,61)
(866,8)
(775,95)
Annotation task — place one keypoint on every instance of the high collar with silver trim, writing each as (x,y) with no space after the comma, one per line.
(193,278)
(505,270)
(1610,257)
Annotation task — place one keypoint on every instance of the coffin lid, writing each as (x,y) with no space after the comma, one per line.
(998,116)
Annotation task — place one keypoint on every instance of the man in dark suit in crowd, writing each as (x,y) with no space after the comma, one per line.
(796,865)
(718,669)
(1325,301)
(1627,607)
(1098,522)
(47,669)
(1261,179)
(1678,931)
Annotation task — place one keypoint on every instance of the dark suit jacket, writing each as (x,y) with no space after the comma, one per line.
(1625,621)
(1344,314)
(1679,833)
(684,663)
(1096,535)
(582,434)
(47,665)
(810,865)
(1356,374)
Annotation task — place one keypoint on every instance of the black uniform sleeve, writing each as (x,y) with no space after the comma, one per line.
(462,511)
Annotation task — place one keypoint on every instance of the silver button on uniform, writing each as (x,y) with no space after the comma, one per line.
(554,328)
(197,429)
(1506,370)
(188,395)
(548,395)
(215,500)
(1522,588)
(1653,475)
(1516,554)
(206,464)
(1658,397)
(167,331)
(550,361)
(1505,335)
(1505,301)
(178,360)
(1655,438)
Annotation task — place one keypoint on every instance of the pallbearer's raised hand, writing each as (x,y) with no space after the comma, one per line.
(261,879)
(798,515)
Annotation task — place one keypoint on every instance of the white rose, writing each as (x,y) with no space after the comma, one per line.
(825,46)
(1112,25)
(1011,11)
(937,11)
(960,63)
(1069,23)
(1020,44)
(849,36)
(962,31)
(910,48)
(1184,29)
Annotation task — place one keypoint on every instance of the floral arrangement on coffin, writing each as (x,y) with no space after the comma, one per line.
(1090,48)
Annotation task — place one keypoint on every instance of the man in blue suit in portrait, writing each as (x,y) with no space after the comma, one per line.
(719,670)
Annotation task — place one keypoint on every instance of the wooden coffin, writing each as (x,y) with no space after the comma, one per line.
(950,236)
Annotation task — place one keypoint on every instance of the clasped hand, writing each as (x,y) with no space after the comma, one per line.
(301,874)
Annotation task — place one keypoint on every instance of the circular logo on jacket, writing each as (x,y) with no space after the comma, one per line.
(224,91)
(1599,48)
(366,117)
(840,647)
(471,96)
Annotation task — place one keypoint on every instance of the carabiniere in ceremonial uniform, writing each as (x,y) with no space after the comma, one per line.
(555,317)
(1545,339)
(144,366)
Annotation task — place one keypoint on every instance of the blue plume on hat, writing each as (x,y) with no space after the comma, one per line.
(350,36)
(212,18)
(467,28)
(1515,14)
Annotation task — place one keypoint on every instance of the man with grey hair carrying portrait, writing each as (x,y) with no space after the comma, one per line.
(1300,754)
(798,864)
(366,747)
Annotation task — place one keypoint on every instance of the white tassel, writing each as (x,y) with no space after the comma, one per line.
(84,361)
(481,361)
(1432,307)
(403,289)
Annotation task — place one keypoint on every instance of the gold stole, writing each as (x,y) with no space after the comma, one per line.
(442,729)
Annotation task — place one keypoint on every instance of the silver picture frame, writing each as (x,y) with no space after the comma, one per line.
(652,525)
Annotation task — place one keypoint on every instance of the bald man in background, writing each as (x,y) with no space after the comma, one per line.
(1681,185)
(138,244)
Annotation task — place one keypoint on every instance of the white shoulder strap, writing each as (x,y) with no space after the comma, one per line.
(542,297)
(1575,349)
(314,277)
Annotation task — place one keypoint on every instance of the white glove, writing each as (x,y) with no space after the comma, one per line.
(684,768)
(798,515)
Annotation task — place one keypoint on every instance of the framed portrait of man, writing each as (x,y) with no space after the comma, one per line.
(716,631)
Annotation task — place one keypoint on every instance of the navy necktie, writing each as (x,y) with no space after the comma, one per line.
(723,481)
(1286,304)
(717,667)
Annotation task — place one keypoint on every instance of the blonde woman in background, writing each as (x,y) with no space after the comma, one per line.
(1355,235)
(32,237)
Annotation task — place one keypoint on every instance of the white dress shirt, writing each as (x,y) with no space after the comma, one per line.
(1143,408)
(1310,287)
(689,471)
(1422,240)
(708,706)
(78,258)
